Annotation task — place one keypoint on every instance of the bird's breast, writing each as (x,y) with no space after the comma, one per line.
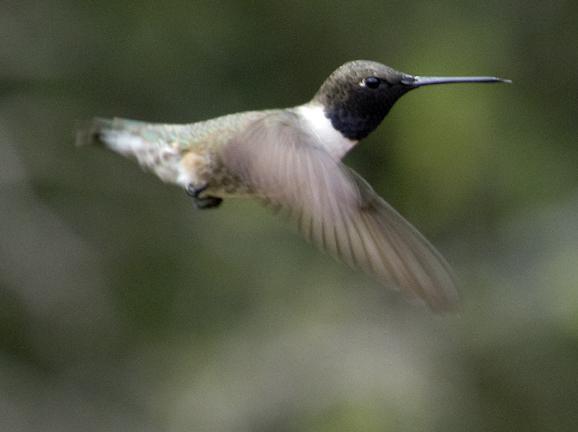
(314,118)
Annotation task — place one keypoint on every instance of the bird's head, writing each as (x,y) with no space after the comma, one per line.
(359,94)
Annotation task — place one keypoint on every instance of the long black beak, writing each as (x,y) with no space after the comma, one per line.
(419,81)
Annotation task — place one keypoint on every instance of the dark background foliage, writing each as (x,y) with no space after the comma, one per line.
(122,309)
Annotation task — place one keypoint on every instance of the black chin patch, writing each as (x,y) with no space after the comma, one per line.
(353,126)
(358,114)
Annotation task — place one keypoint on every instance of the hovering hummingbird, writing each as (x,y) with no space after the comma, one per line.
(290,159)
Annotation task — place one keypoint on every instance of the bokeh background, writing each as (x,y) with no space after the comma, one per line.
(123,309)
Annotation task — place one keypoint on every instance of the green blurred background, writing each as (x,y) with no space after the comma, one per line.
(123,309)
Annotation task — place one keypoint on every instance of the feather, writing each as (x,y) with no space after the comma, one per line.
(336,209)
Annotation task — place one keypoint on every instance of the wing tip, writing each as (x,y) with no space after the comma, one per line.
(442,299)
(446,305)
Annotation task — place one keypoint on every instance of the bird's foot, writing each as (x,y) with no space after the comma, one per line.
(205,202)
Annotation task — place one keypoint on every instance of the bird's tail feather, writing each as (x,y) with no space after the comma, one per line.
(102,131)
(88,133)
(140,141)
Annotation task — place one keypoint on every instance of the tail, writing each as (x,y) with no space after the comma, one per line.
(116,134)
(87,133)
(144,142)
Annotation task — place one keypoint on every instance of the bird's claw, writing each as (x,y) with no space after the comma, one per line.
(205,202)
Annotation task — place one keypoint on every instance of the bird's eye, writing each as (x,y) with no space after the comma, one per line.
(371,82)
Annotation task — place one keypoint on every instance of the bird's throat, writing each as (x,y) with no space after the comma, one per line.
(356,116)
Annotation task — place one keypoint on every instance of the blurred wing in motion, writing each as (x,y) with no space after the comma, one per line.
(336,209)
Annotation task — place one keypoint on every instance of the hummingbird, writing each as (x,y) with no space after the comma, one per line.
(290,160)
